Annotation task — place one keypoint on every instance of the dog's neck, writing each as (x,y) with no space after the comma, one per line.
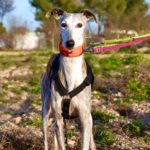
(72,71)
(75,52)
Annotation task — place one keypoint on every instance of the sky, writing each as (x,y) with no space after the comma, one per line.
(23,14)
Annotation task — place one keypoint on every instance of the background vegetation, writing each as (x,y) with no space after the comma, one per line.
(114,14)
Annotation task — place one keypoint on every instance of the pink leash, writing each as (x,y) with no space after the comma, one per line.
(106,48)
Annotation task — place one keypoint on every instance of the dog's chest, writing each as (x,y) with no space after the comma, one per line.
(73,72)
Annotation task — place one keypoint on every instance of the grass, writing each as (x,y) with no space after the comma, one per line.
(36,121)
(37,102)
(109,68)
(36,90)
(115,63)
(129,67)
(101,116)
(104,137)
(126,74)
(135,128)
(15,90)
(138,90)
(71,133)
(102,134)
(98,94)
(25,88)
(147,139)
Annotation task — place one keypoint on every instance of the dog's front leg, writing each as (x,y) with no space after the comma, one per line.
(60,134)
(59,130)
(46,110)
(92,144)
(55,142)
(86,129)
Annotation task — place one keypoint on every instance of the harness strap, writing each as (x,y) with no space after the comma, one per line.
(67,96)
(63,91)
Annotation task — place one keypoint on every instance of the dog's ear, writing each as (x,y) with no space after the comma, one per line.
(88,14)
(56,12)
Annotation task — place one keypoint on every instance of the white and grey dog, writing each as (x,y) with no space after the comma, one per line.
(66,84)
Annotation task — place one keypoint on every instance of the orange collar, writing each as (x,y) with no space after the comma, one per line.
(71,53)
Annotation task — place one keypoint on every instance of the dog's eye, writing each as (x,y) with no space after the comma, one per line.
(64,25)
(79,25)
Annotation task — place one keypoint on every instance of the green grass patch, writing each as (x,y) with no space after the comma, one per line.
(133,60)
(147,139)
(111,63)
(25,88)
(5,63)
(98,94)
(127,50)
(71,133)
(93,61)
(36,121)
(17,61)
(138,90)
(15,90)
(102,133)
(2,100)
(37,102)
(101,116)
(103,136)
(135,128)
(34,81)
(105,66)
(36,89)
(125,100)
(43,53)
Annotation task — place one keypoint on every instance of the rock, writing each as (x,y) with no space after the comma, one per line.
(24,95)
(71,143)
(17,120)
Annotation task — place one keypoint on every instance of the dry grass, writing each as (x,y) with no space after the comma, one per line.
(20,139)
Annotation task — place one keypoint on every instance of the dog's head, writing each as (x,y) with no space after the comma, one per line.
(72,26)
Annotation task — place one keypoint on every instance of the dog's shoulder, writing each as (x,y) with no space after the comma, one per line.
(53,64)
(50,62)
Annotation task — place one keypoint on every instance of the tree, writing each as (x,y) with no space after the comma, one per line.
(70,6)
(2,29)
(43,6)
(6,6)
(135,16)
(120,14)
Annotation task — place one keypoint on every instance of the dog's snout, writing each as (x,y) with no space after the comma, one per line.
(70,43)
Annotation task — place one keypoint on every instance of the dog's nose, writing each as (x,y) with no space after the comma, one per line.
(70,43)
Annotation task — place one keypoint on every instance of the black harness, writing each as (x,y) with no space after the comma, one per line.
(63,91)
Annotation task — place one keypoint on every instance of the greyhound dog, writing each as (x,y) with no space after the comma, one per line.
(66,89)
